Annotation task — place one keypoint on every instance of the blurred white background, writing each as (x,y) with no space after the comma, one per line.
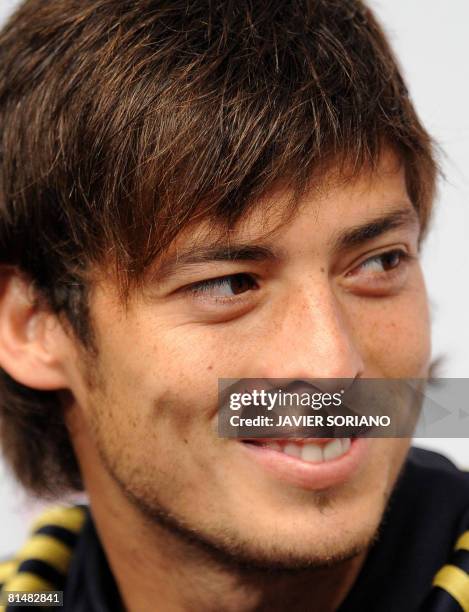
(430,39)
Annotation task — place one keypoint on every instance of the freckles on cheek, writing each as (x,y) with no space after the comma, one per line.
(208,352)
(397,339)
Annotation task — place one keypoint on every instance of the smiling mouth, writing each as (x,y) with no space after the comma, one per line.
(308,450)
(309,463)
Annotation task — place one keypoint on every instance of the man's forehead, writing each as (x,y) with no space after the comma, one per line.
(276,208)
(235,246)
(382,195)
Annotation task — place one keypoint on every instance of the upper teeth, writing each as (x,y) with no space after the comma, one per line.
(311,451)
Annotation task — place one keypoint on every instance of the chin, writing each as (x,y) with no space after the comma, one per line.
(285,550)
(324,537)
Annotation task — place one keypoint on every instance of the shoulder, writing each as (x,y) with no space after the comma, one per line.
(431,498)
(436,477)
(42,563)
(442,505)
(433,461)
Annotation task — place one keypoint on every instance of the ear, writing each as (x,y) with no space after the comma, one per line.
(32,340)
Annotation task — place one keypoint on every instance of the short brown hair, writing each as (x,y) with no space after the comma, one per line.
(123,122)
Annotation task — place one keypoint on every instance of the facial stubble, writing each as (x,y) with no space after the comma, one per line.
(223,547)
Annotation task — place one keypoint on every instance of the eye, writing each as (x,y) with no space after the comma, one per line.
(224,287)
(383,274)
(384,262)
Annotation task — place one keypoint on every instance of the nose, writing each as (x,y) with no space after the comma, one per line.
(310,337)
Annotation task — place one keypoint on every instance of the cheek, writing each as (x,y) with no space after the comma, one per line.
(394,334)
(386,461)
(160,381)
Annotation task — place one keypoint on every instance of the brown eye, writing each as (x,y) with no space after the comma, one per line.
(239,283)
(384,262)
(391,260)
(225,286)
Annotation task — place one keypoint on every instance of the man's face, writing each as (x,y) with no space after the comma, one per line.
(324,306)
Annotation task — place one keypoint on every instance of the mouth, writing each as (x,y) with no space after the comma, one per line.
(309,450)
(310,463)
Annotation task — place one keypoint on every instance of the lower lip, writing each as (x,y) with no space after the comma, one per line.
(314,476)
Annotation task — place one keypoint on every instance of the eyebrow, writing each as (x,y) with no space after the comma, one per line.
(248,252)
(355,236)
